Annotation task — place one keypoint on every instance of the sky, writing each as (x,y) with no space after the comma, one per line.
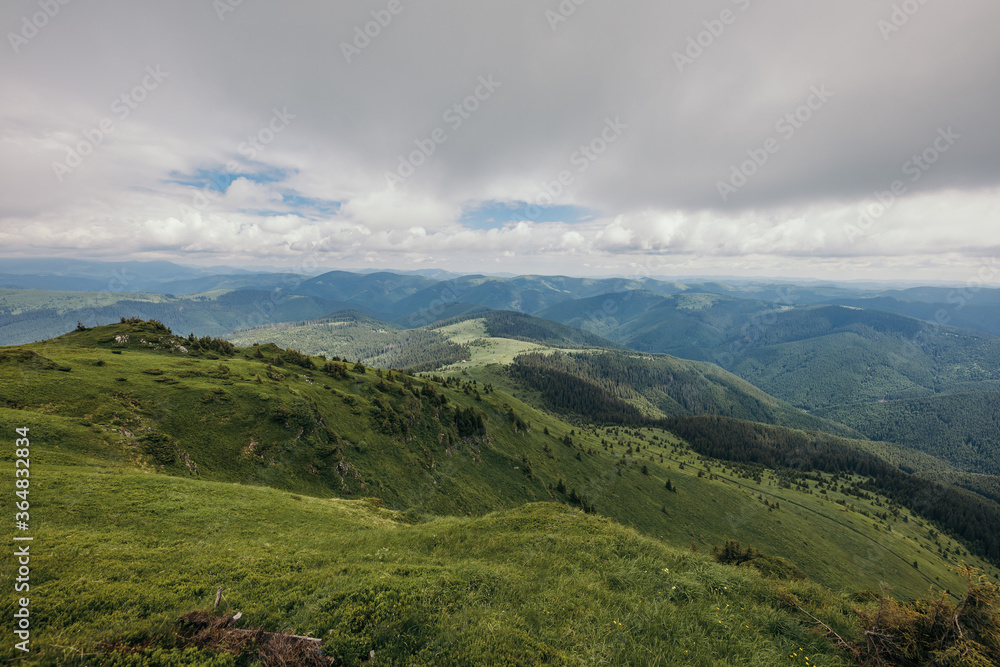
(833,140)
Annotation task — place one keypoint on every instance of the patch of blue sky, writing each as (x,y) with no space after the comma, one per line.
(220,179)
(493,214)
(311,204)
(299,206)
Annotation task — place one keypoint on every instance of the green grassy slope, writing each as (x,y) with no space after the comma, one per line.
(160,473)
(539,584)
(540,353)
(409,442)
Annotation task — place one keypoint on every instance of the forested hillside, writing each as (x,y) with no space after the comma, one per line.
(692,326)
(278,417)
(855,371)
(568,385)
(975,519)
(961,428)
(639,386)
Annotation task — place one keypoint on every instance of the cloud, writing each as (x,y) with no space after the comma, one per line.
(502,107)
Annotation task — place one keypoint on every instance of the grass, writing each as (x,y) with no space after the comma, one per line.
(463,558)
(296,434)
(541,583)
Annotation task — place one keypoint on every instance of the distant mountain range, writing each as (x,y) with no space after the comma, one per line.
(962,305)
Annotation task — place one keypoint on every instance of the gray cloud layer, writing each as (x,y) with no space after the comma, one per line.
(817,106)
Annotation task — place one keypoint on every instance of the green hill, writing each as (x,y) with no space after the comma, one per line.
(354,336)
(973,309)
(845,367)
(541,584)
(276,417)
(164,466)
(630,388)
(812,356)
(575,372)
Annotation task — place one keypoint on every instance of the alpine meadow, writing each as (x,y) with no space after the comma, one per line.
(567,333)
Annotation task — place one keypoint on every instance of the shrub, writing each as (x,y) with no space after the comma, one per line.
(160,448)
(935,632)
(775,567)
